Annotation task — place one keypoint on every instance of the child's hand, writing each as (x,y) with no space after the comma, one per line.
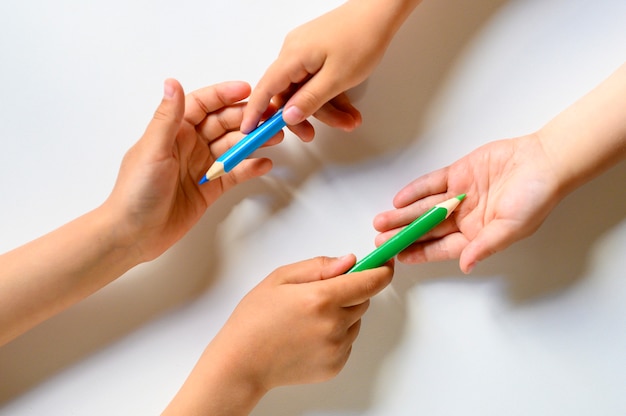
(156,197)
(296,326)
(512,185)
(300,322)
(511,188)
(322,59)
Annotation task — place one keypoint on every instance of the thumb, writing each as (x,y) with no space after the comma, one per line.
(315,269)
(496,236)
(308,99)
(168,116)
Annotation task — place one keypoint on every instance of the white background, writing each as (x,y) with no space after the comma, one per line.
(539,329)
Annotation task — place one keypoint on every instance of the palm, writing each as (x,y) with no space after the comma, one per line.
(157,187)
(510,191)
(509,186)
(172,198)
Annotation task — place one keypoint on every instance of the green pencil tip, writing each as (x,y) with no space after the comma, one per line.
(461,197)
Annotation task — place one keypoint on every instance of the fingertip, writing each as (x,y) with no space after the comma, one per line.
(390,264)
(379,222)
(340,265)
(170,87)
(335,266)
(293,115)
(169,113)
(247,124)
(252,117)
(467,268)
(264,166)
(305,131)
(379,239)
(347,261)
(469,258)
(350,127)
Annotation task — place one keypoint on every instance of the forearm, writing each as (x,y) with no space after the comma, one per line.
(388,15)
(218,385)
(589,136)
(49,274)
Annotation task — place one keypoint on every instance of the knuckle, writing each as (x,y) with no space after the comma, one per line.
(309,99)
(316,301)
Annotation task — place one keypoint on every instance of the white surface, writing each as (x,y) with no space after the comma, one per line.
(537,330)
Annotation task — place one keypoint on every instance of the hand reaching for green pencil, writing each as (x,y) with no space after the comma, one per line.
(513,185)
(507,199)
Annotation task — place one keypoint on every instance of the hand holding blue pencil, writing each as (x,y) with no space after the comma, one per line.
(244,148)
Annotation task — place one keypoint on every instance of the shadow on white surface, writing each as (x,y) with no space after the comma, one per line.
(398,96)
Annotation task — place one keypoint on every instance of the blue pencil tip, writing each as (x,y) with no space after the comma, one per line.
(203,180)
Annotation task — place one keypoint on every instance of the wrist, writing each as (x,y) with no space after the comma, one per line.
(387,15)
(219,385)
(562,174)
(116,238)
(590,135)
(53,272)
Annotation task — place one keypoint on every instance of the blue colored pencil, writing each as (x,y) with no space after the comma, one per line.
(244,148)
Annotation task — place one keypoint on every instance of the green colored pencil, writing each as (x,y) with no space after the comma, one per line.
(423,224)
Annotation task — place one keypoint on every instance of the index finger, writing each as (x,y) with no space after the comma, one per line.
(432,183)
(355,288)
(204,101)
(278,78)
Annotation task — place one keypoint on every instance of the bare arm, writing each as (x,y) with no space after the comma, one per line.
(155,201)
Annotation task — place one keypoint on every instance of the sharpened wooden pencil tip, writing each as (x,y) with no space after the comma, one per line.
(215,171)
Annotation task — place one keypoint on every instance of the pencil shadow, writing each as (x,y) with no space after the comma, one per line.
(144,293)
(554,258)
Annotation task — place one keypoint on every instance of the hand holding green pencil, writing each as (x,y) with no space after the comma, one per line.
(423,224)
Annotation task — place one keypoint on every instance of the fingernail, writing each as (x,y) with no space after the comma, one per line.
(168,89)
(293,115)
